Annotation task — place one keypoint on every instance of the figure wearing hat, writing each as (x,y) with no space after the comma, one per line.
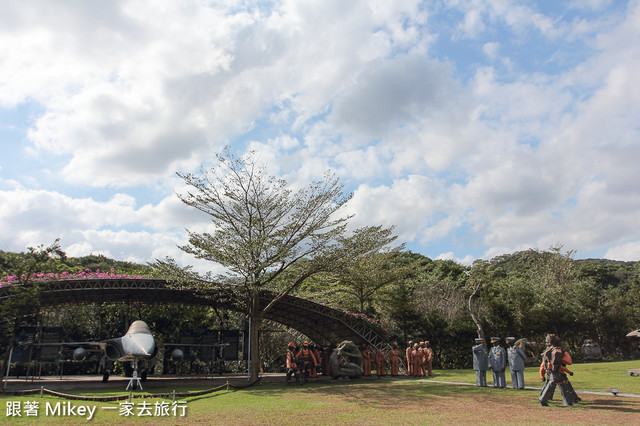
(422,356)
(292,366)
(416,356)
(480,362)
(498,363)
(306,359)
(517,358)
(394,357)
(408,354)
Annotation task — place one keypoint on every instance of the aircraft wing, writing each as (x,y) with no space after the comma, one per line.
(96,345)
(204,351)
(200,345)
(53,351)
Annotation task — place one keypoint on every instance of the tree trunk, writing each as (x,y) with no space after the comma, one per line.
(473,315)
(255,322)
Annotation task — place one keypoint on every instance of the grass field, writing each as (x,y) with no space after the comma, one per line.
(370,401)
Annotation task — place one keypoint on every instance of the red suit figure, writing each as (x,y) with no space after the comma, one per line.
(316,355)
(429,358)
(394,357)
(306,359)
(416,356)
(367,357)
(380,371)
(423,359)
(408,354)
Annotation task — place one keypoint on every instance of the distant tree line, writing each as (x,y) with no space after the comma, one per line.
(524,294)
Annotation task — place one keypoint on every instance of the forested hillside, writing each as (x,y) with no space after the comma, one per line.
(524,294)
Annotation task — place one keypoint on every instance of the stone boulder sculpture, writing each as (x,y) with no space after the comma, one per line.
(346,361)
(591,351)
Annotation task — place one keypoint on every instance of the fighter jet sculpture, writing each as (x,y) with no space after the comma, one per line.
(136,346)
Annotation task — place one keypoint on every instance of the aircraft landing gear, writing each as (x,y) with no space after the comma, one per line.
(134,383)
(105,366)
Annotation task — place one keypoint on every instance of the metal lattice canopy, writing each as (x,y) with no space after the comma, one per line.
(322,324)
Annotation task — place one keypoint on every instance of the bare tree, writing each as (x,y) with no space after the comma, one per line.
(476,279)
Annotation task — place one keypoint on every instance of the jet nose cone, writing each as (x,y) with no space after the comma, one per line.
(140,345)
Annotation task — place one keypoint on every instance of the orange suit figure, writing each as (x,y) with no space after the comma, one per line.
(367,357)
(316,355)
(380,357)
(408,354)
(292,367)
(394,357)
(429,350)
(306,360)
(416,357)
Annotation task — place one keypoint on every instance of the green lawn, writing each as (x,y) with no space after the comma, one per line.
(370,401)
(589,376)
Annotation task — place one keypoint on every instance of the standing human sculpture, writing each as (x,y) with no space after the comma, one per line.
(367,357)
(416,358)
(306,360)
(292,366)
(380,361)
(498,363)
(422,351)
(394,358)
(517,357)
(480,362)
(408,353)
(429,351)
(551,372)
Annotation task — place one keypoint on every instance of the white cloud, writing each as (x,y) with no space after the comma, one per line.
(481,15)
(412,205)
(467,260)
(31,218)
(589,4)
(628,252)
(530,150)
(147,88)
(491,49)
(393,92)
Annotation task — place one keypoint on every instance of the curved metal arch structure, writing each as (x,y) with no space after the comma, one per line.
(322,324)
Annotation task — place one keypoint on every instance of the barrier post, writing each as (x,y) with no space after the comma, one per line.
(6,376)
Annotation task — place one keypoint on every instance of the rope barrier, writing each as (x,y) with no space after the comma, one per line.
(167,395)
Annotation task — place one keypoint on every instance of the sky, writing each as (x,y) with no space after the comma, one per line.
(475,127)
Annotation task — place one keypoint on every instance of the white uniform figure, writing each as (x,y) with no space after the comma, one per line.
(516,363)
(498,363)
(480,363)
